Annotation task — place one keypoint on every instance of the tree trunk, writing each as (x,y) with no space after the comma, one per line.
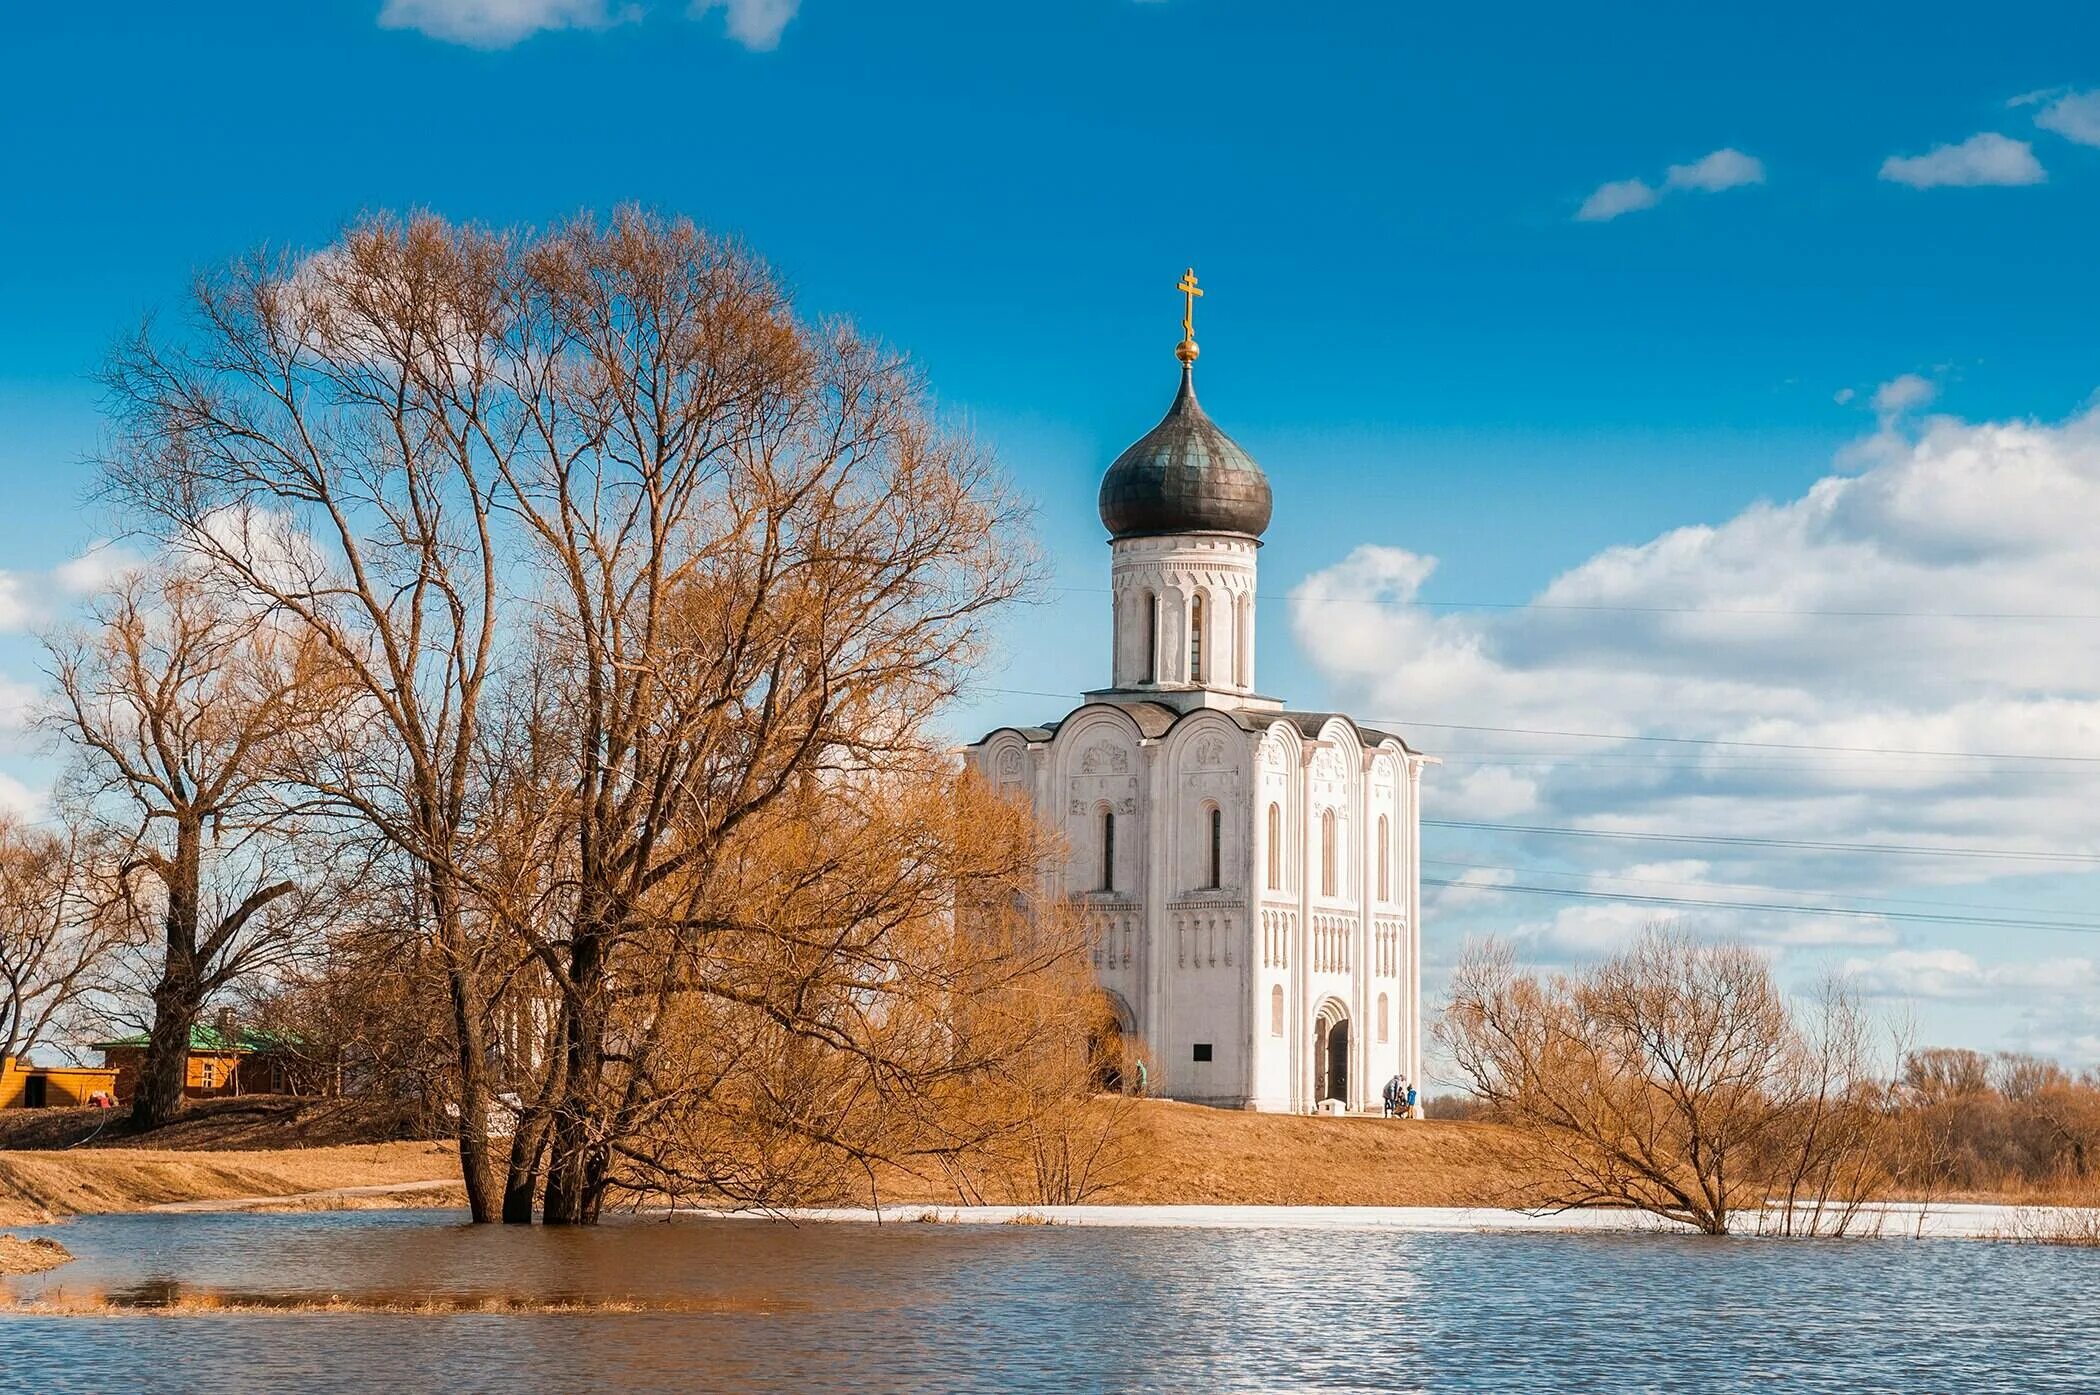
(166,1069)
(574,1182)
(179,996)
(469,1036)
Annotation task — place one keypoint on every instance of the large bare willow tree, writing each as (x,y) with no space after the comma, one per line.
(634,573)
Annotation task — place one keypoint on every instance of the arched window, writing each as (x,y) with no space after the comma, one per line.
(1243,641)
(1196,639)
(1151,638)
(1108,848)
(1217,847)
(1276,1011)
(1327,879)
(1385,861)
(1275,848)
(1381,1017)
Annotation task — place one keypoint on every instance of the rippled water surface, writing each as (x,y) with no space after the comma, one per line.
(747,1305)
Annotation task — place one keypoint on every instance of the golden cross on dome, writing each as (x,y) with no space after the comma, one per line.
(1186,352)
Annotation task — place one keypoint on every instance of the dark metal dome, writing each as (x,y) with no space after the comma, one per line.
(1185,476)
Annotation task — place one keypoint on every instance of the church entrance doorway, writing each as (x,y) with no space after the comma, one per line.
(1330,1055)
(1108,1045)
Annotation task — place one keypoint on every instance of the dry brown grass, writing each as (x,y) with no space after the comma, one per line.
(242,1122)
(1186,1154)
(1182,1154)
(34,1256)
(175,1301)
(1202,1156)
(38,1187)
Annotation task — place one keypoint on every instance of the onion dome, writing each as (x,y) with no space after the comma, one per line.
(1185,476)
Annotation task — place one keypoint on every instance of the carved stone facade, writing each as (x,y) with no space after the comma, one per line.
(1251,874)
(1226,857)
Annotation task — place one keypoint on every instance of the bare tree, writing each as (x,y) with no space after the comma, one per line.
(323,435)
(57,932)
(748,564)
(178,704)
(1674,1078)
(760,560)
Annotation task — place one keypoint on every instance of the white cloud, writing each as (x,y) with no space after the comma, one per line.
(29,599)
(15,610)
(495,23)
(2073,115)
(18,800)
(1472,884)
(95,569)
(1771,626)
(1724,169)
(1984,158)
(1953,974)
(1843,395)
(1901,393)
(1680,870)
(18,701)
(1491,792)
(1611,200)
(756,24)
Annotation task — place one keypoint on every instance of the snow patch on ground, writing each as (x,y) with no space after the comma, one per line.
(1902,1220)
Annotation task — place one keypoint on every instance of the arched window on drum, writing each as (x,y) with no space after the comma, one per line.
(1196,638)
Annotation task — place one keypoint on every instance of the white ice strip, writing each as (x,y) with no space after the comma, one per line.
(1902,1220)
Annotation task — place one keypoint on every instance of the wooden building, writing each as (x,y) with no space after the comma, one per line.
(26,1086)
(224,1060)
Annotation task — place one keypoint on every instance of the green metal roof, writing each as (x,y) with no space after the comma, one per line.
(204,1037)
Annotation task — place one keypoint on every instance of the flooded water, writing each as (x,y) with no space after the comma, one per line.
(764,1306)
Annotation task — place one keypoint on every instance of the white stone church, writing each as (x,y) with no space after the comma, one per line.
(1252,872)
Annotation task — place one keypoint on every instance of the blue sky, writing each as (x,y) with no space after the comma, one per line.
(1411,323)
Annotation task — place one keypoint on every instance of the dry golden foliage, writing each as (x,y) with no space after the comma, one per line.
(1676,1078)
(666,818)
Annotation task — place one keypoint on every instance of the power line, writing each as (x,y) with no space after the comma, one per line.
(1632,898)
(1804,844)
(1670,740)
(1723,741)
(1961,907)
(1581,606)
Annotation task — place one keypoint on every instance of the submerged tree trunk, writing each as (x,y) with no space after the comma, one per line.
(575,1161)
(470,1040)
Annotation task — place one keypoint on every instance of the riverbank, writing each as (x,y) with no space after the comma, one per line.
(1181,1159)
(31,1256)
(254,1154)
(40,1187)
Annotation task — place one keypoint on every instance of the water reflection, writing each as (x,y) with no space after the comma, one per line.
(742,1305)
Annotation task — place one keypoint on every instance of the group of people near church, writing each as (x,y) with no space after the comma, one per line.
(1401,1102)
